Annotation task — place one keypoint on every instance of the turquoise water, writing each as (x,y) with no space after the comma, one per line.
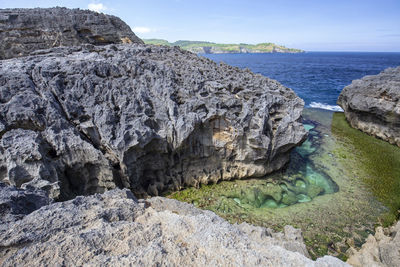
(339,184)
(300,182)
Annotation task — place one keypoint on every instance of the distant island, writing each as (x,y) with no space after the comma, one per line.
(203,47)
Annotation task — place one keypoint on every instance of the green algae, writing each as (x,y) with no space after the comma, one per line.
(333,191)
(378,161)
(299,183)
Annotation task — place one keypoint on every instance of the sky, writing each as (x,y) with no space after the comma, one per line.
(312,25)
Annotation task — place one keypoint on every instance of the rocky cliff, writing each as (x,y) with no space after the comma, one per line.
(372,104)
(25,30)
(203,47)
(115,229)
(82,120)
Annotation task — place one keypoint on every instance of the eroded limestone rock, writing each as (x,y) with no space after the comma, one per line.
(16,203)
(379,250)
(24,30)
(114,229)
(372,104)
(82,120)
(290,239)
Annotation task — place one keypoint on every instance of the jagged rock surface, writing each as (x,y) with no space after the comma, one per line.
(114,229)
(25,30)
(372,104)
(290,239)
(379,250)
(82,120)
(16,203)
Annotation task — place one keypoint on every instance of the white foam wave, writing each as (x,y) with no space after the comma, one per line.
(325,106)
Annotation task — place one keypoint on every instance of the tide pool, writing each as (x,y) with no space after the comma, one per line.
(338,186)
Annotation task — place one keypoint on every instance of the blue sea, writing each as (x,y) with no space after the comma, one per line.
(316,77)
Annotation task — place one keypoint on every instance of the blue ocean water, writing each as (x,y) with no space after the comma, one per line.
(316,77)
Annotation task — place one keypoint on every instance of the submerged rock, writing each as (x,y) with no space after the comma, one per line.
(306,149)
(24,30)
(303,198)
(269,203)
(82,120)
(289,198)
(114,229)
(314,190)
(372,104)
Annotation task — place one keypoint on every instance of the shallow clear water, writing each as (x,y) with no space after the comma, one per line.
(300,182)
(339,185)
(317,77)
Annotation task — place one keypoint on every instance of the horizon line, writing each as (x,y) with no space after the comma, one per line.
(344,51)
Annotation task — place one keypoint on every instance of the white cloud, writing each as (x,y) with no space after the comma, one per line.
(97,7)
(142,30)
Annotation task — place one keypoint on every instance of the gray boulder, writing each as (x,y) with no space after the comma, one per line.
(114,229)
(81,120)
(25,30)
(382,249)
(372,104)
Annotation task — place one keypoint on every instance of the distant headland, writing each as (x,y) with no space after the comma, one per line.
(204,47)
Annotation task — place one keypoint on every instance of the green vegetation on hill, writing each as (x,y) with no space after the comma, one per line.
(214,48)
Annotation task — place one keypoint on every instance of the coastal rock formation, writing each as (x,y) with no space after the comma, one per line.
(114,229)
(16,203)
(372,104)
(203,47)
(379,250)
(25,30)
(81,120)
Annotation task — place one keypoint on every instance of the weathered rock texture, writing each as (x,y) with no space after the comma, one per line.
(379,250)
(82,120)
(372,104)
(16,203)
(114,229)
(25,30)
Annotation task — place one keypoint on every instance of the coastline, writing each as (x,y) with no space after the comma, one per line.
(203,47)
(326,228)
(98,119)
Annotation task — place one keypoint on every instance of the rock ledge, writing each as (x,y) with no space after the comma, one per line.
(114,229)
(372,104)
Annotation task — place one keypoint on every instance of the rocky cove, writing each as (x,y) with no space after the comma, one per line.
(79,122)
(340,182)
